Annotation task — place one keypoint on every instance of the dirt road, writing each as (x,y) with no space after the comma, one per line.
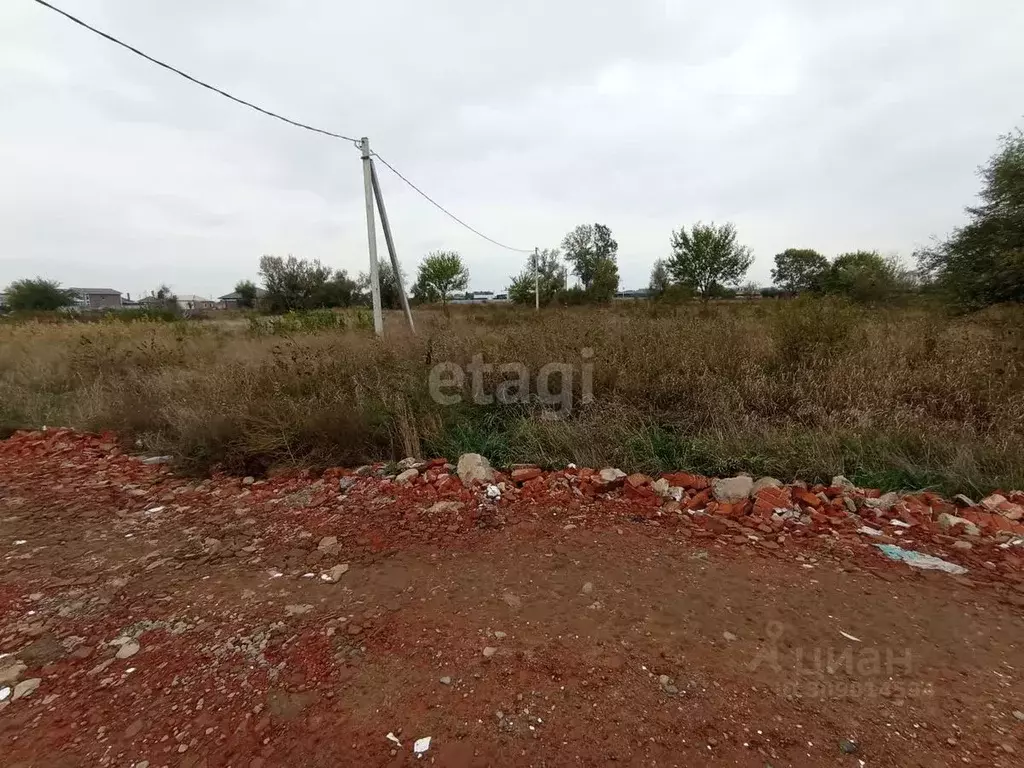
(150,620)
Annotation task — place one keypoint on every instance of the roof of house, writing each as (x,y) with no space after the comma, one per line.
(260,293)
(190,297)
(94,291)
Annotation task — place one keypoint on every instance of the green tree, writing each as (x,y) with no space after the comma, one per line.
(339,290)
(246,290)
(864,276)
(390,291)
(660,278)
(38,295)
(708,257)
(551,277)
(982,262)
(441,273)
(800,269)
(605,282)
(290,283)
(586,247)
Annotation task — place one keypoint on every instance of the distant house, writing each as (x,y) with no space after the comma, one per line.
(189,301)
(96,298)
(230,300)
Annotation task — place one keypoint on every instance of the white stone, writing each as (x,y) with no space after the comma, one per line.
(731,490)
(474,468)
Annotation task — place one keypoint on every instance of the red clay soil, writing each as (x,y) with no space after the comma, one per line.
(148,619)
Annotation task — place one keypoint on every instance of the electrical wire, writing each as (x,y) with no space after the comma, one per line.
(276,116)
(448,213)
(189,77)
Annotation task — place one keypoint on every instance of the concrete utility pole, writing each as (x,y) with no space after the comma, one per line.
(371,236)
(391,244)
(536,277)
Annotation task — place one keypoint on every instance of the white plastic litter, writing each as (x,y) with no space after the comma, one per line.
(19,542)
(869,530)
(920,560)
(899,524)
(421,745)
(493,492)
(570,465)
(5,692)
(849,637)
(393,739)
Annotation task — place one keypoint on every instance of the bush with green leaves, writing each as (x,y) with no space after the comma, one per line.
(441,274)
(708,257)
(37,295)
(982,262)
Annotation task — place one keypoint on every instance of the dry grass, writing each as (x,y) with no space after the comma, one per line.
(894,398)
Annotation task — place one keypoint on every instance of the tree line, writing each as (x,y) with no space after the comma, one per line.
(978,264)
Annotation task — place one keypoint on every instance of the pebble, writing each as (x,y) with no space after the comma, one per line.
(489,651)
(500,635)
(354,629)
(729,636)
(335,573)
(446,680)
(588,588)
(963,545)
(127,650)
(26,688)
(847,747)
(1008,748)
(1018,714)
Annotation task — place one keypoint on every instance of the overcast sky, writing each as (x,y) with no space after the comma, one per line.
(808,123)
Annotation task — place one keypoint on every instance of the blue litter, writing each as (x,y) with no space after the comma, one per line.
(919,560)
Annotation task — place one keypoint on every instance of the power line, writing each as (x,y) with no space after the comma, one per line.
(189,77)
(274,115)
(448,213)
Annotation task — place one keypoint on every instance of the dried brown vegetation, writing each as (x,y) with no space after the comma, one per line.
(808,388)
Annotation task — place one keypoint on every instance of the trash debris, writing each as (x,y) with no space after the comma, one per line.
(849,637)
(570,465)
(869,531)
(493,492)
(393,739)
(421,745)
(19,542)
(900,524)
(1014,542)
(919,560)
(5,692)
(155,509)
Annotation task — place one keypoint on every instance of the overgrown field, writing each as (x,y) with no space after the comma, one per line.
(800,389)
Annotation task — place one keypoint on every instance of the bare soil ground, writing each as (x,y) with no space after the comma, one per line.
(183,622)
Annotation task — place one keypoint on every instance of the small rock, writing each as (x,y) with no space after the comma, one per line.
(764,482)
(1007,747)
(963,546)
(991,503)
(408,463)
(407,476)
(951,741)
(489,651)
(335,573)
(732,490)
(345,484)
(1018,714)
(329,545)
(947,521)
(729,636)
(354,629)
(884,503)
(839,481)
(661,487)
(664,680)
(847,747)
(297,610)
(499,635)
(513,601)
(588,588)
(128,650)
(158,460)
(12,671)
(963,500)
(446,680)
(134,729)
(26,688)
(248,480)
(610,477)
(474,468)
(525,474)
